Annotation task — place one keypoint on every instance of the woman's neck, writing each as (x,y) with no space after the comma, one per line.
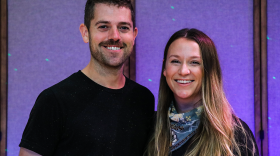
(183,107)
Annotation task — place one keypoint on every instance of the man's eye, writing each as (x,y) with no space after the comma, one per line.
(124,28)
(103,27)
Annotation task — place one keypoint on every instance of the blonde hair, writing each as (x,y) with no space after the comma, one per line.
(218,123)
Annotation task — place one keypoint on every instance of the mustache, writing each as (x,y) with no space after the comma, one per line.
(112,42)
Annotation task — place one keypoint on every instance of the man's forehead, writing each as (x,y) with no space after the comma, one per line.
(112,13)
(110,8)
(110,4)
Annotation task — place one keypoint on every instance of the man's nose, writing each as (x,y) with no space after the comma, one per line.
(114,34)
(184,70)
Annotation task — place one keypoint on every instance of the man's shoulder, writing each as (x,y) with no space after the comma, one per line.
(77,82)
(71,84)
(70,81)
(140,96)
(136,87)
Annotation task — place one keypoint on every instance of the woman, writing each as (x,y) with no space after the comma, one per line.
(193,115)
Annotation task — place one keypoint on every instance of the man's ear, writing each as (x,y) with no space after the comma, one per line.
(135,32)
(84,33)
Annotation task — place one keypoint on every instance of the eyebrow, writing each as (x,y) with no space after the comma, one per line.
(177,56)
(173,56)
(107,22)
(103,22)
(195,56)
(125,23)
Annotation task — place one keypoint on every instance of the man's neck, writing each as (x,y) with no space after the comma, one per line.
(105,76)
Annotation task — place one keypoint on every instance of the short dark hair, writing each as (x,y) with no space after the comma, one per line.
(89,9)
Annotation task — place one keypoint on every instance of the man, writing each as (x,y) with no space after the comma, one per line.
(96,111)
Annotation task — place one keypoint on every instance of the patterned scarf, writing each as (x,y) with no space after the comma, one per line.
(183,126)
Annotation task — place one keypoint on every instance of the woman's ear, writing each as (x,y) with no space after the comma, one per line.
(164,72)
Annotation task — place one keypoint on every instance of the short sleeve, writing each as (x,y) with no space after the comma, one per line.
(43,129)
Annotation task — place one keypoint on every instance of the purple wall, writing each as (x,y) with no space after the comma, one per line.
(44,46)
(273,75)
(228,23)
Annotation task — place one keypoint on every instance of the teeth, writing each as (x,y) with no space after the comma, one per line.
(113,48)
(183,81)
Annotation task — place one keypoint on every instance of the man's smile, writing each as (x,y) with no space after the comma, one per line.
(113,47)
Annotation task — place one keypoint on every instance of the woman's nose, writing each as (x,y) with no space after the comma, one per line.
(184,70)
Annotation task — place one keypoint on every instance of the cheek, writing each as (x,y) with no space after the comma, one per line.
(199,77)
(99,37)
(170,71)
(198,73)
(128,38)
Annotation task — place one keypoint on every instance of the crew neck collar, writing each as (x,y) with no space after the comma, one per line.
(91,82)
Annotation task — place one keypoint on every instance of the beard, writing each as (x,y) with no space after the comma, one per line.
(111,59)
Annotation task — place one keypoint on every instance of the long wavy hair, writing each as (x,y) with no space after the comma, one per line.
(215,134)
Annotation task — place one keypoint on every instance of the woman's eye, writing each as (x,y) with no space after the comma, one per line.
(195,62)
(175,61)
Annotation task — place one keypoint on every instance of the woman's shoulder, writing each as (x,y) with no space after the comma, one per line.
(245,126)
(245,139)
(242,129)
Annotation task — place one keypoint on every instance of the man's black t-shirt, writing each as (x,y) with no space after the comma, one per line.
(80,117)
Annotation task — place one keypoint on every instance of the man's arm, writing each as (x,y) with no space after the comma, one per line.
(26,152)
(42,131)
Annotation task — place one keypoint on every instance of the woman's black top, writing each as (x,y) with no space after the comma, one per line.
(240,139)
